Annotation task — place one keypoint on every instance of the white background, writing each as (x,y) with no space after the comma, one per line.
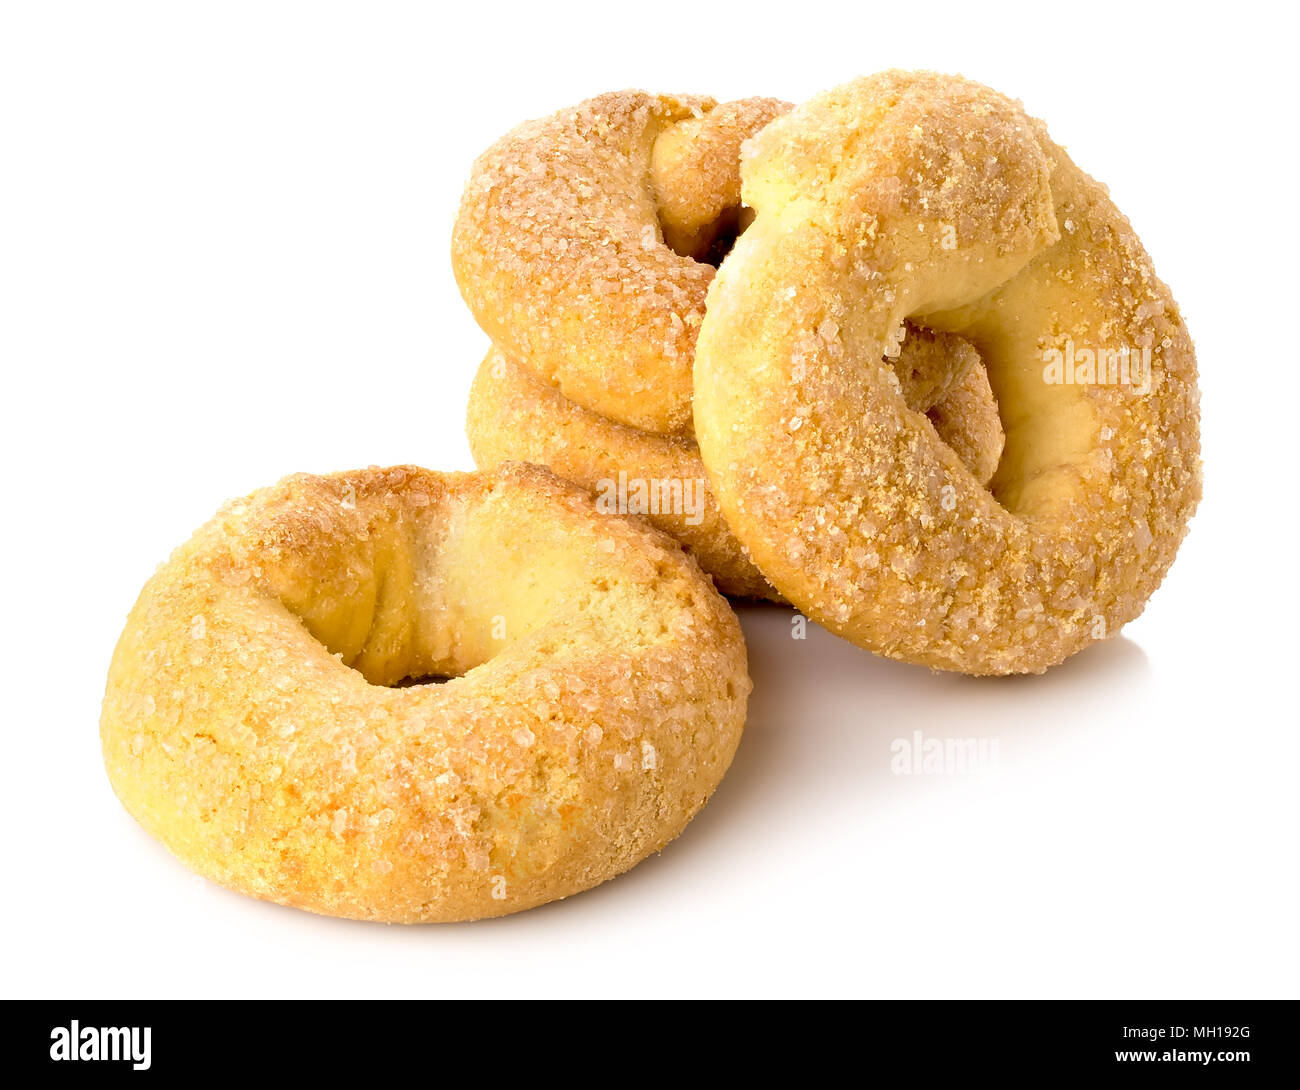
(224,257)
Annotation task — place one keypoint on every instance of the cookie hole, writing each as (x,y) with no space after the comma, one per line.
(709,243)
(968,420)
(423,679)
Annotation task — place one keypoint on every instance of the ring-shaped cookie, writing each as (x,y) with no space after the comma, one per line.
(256,721)
(563,247)
(913,194)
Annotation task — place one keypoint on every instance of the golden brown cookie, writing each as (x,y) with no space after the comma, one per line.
(258,719)
(560,245)
(926,196)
